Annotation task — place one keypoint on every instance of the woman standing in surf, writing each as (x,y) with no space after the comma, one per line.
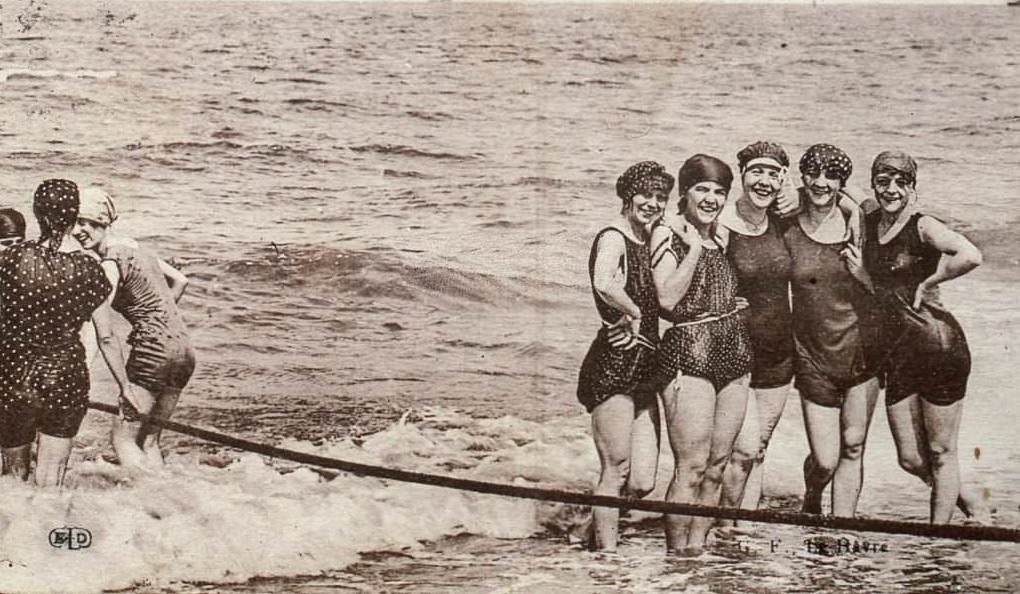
(926,361)
(48,289)
(759,257)
(615,384)
(704,359)
(146,291)
(833,369)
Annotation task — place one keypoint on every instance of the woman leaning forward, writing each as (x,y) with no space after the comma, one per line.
(615,384)
(704,359)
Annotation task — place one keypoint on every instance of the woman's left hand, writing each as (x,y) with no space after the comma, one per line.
(852,255)
(925,292)
(788,199)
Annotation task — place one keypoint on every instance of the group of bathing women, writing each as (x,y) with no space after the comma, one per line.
(57,290)
(772,287)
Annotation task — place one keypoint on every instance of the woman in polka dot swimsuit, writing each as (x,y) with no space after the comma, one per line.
(705,358)
(162,359)
(48,289)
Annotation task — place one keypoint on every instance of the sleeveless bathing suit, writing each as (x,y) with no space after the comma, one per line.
(161,354)
(829,325)
(709,337)
(763,268)
(923,352)
(607,370)
(45,299)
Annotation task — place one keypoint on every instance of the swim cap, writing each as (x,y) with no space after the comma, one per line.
(895,162)
(97,206)
(56,207)
(12,223)
(825,158)
(643,178)
(700,168)
(762,152)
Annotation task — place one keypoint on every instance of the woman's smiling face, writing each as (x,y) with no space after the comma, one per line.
(703,201)
(646,208)
(893,190)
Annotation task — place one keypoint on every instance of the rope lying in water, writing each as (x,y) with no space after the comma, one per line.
(959,532)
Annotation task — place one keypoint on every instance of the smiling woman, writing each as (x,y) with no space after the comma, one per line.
(615,378)
(705,357)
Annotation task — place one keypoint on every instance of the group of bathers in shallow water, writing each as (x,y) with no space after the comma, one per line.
(814,287)
(57,293)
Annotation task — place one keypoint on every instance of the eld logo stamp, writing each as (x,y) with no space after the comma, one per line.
(70,538)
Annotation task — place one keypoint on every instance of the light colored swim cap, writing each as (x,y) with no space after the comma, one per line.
(96,205)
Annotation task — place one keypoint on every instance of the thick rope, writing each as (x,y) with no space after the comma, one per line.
(953,531)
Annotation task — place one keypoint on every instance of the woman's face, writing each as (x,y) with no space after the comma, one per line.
(762,184)
(645,209)
(822,187)
(89,234)
(893,191)
(704,201)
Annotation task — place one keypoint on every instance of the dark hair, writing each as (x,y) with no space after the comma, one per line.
(12,223)
(701,168)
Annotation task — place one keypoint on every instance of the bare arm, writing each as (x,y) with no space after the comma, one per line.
(110,347)
(175,279)
(672,275)
(959,255)
(608,278)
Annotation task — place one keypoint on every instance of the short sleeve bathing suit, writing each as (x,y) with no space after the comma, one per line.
(161,356)
(709,337)
(763,268)
(45,299)
(828,307)
(606,370)
(924,352)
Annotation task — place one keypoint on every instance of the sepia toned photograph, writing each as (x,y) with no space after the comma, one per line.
(509,297)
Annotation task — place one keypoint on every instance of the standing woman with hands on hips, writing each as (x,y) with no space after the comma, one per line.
(925,357)
(705,357)
(615,378)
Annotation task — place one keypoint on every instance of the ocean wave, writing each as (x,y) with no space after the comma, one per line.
(8,74)
(218,518)
(383,275)
(407,151)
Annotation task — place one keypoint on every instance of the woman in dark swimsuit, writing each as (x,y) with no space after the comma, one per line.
(756,250)
(704,359)
(615,384)
(161,360)
(926,361)
(48,289)
(833,372)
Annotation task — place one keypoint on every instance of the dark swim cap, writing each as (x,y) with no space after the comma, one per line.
(643,178)
(762,150)
(56,207)
(700,168)
(895,162)
(825,158)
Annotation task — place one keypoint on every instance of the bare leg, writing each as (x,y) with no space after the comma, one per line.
(822,426)
(689,409)
(51,460)
(730,406)
(741,464)
(149,434)
(943,427)
(854,420)
(611,424)
(18,461)
(911,437)
(644,450)
(769,404)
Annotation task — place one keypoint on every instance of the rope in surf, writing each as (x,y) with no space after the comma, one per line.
(951,531)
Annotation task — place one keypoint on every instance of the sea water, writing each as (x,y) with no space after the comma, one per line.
(385,211)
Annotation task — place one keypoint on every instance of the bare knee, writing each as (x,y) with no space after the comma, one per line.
(913,464)
(823,466)
(640,486)
(714,470)
(940,455)
(744,458)
(853,444)
(689,473)
(614,476)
